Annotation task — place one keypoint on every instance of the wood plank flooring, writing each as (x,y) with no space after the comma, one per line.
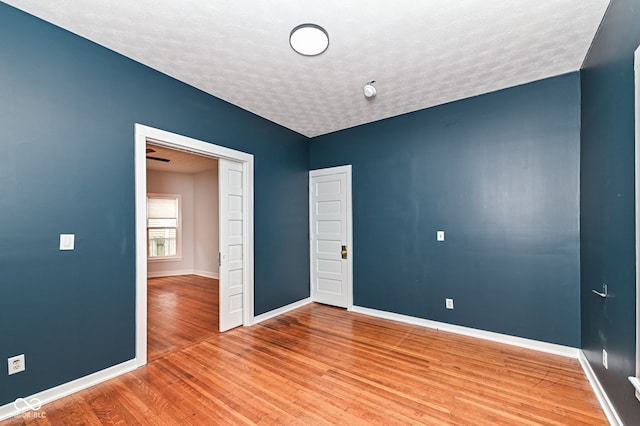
(181,311)
(322,365)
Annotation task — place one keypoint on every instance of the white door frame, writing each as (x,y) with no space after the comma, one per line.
(636,67)
(183,143)
(329,171)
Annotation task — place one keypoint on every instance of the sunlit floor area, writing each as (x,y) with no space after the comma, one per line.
(181,311)
(324,365)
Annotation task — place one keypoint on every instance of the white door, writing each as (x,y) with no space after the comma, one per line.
(330,236)
(231,181)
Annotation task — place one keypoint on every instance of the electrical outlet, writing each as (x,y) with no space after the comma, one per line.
(605,360)
(16,364)
(449,303)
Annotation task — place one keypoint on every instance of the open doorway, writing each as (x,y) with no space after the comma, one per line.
(235,220)
(183,246)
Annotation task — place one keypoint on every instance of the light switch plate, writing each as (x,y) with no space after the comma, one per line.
(440,235)
(67,241)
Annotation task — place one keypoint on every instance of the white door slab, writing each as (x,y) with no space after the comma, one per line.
(330,236)
(231,181)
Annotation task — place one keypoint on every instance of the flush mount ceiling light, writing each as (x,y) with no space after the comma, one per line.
(309,39)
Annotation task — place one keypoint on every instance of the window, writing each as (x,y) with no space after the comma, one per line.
(163,226)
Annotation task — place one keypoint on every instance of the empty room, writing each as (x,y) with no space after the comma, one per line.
(339,212)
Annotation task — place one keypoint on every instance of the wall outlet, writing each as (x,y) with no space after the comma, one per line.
(605,359)
(16,364)
(449,303)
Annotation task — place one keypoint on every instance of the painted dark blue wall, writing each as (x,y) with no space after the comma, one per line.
(499,174)
(67,114)
(607,205)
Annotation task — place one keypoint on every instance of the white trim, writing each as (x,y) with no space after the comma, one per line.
(282,310)
(140,166)
(601,395)
(206,274)
(637,183)
(535,345)
(164,259)
(160,274)
(330,171)
(175,273)
(49,395)
(183,143)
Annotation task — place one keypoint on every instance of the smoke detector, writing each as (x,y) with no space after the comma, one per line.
(369,90)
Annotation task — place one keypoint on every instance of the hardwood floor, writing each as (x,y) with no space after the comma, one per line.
(323,365)
(181,311)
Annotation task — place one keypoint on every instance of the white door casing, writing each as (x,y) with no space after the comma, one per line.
(636,68)
(330,235)
(231,243)
(183,143)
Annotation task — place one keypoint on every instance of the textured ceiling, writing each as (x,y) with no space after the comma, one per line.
(421,53)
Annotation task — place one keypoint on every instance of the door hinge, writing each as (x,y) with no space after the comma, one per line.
(344,252)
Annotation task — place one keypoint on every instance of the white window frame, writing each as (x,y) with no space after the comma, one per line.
(178,255)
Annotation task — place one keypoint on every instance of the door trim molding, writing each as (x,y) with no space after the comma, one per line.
(329,171)
(636,80)
(183,143)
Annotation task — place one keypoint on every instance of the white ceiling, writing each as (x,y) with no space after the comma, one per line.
(420,52)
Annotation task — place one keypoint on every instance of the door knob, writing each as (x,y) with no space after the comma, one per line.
(344,252)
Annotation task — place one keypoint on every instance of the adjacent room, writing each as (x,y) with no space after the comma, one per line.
(182,257)
(335,212)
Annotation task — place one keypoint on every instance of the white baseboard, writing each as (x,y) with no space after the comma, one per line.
(9,410)
(200,273)
(46,396)
(536,345)
(603,399)
(601,395)
(160,274)
(280,311)
(206,274)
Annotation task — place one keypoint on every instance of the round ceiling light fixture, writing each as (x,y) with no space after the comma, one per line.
(309,39)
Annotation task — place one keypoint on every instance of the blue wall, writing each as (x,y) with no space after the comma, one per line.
(67,114)
(608,204)
(499,173)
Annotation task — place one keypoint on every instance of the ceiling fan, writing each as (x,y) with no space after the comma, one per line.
(149,157)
